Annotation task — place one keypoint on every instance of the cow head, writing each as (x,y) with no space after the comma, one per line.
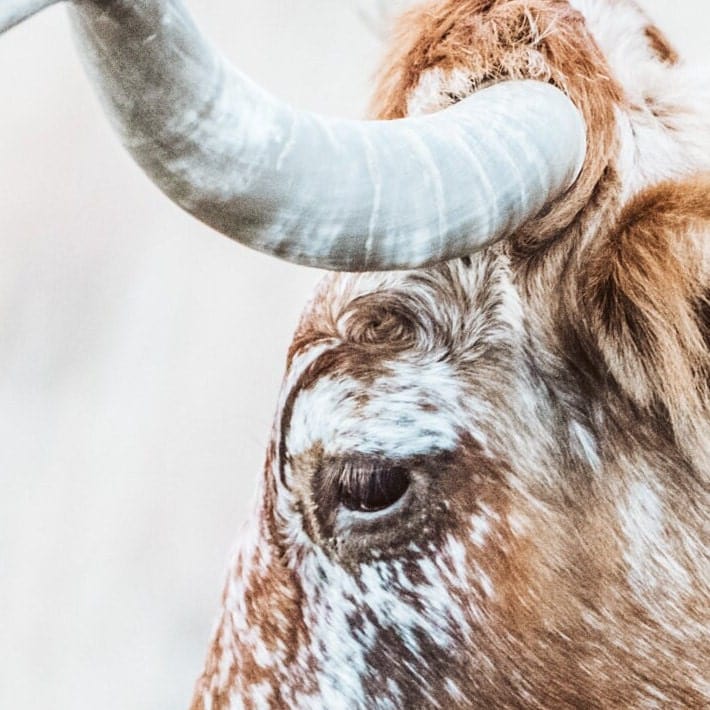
(486,479)
(472,496)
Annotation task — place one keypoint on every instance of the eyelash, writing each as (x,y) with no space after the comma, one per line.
(371,486)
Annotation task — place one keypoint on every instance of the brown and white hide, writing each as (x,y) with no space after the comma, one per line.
(534,418)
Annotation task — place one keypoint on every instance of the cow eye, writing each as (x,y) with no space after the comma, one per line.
(371,488)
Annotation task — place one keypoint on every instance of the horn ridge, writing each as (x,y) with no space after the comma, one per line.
(330,193)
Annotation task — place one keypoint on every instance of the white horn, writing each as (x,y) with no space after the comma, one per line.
(336,194)
(12,12)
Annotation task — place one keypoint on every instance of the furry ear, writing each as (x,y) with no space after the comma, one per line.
(647,287)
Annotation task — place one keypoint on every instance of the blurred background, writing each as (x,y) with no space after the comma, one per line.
(140,359)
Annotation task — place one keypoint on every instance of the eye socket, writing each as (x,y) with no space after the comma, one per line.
(370,489)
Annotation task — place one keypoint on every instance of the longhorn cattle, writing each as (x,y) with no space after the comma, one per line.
(487,484)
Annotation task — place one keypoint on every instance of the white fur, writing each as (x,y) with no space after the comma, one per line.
(391,422)
(649,554)
(664,128)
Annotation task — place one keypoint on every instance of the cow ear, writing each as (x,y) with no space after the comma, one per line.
(647,288)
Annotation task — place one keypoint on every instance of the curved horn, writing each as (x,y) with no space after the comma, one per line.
(337,194)
(12,12)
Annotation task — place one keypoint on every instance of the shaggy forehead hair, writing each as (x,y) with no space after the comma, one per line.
(548,396)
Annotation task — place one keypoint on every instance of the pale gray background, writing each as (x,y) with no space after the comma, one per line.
(140,357)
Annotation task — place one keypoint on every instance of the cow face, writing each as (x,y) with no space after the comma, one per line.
(459,506)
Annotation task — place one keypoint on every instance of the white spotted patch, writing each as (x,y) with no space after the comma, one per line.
(418,409)
(584,445)
(480,529)
(652,563)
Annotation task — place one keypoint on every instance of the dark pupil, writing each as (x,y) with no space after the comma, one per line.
(368,491)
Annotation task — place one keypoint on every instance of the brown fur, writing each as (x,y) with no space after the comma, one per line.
(495,40)
(644,292)
(616,339)
(661,46)
(643,277)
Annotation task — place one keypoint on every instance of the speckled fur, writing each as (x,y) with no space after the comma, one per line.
(549,396)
